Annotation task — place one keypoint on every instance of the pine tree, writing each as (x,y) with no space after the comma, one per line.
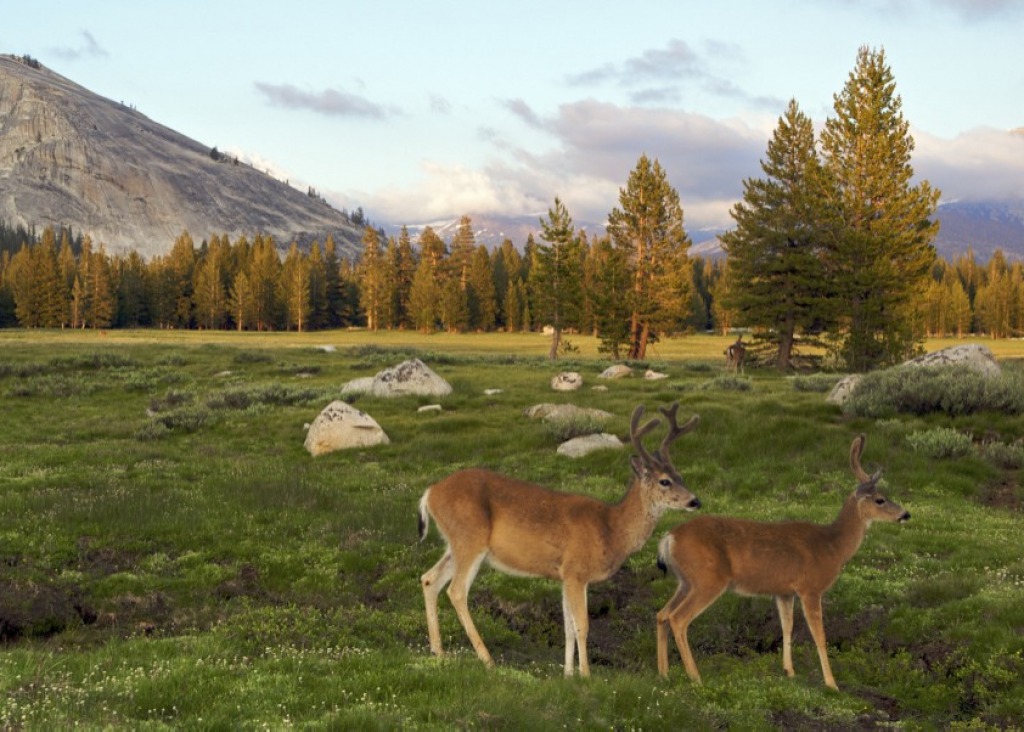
(424,296)
(372,284)
(483,301)
(294,284)
(881,255)
(649,230)
(264,274)
(556,279)
(776,253)
(612,281)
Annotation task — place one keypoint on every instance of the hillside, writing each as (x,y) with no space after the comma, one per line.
(69,156)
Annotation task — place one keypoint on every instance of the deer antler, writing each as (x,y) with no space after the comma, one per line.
(674,430)
(855,452)
(636,434)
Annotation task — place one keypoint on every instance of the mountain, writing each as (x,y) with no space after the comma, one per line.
(492,229)
(69,156)
(982,226)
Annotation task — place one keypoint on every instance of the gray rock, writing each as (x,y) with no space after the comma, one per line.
(341,426)
(567,381)
(580,446)
(564,412)
(970,356)
(411,377)
(618,371)
(843,390)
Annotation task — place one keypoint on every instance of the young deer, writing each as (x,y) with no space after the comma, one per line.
(711,554)
(524,529)
(735,355)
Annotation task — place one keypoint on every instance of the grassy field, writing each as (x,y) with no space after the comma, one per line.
(171,557)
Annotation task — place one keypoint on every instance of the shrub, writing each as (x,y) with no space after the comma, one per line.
(819,383)
(577,426)
(1008,457)
(729,382)
(952,391)
(941,442)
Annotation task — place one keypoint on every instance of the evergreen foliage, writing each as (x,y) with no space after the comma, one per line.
(648,228)
(777,274)
(881,253)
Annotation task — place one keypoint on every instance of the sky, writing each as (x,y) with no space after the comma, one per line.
(420,112)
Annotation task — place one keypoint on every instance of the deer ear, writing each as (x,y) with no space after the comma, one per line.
(870,488)
(637,464)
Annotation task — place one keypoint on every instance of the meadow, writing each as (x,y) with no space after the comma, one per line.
(172,558)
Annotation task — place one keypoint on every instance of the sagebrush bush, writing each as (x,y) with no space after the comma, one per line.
(570,427)
(941,442)
(1008,457)
(729,382)
(952,391)
(819,383)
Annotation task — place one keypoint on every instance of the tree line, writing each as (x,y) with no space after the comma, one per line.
(832,246)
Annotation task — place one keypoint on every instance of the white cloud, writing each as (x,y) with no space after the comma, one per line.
(984,163)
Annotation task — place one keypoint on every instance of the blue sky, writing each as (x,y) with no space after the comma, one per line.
(423,111)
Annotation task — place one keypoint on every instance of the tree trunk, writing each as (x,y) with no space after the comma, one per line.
(556,341)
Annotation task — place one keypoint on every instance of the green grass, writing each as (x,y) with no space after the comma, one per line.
(171,557)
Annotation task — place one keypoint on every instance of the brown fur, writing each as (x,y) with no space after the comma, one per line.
(712,554)
(525,529)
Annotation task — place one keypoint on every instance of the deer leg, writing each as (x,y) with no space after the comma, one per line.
(785,605)
(458,592)
(574,599)
(812,612)
(570,635)
(663,627)
(696,601)
(433,580)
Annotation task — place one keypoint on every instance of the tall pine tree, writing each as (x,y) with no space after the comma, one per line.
(776,269)
(882,255)
(649,230)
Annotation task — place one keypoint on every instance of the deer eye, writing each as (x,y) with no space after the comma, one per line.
(880,501)
(665,482)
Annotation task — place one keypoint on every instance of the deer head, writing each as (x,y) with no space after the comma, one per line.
(662,484)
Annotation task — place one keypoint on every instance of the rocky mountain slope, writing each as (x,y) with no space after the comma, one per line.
(68,156)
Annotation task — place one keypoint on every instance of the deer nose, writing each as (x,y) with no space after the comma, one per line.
(693,505)
(904,517)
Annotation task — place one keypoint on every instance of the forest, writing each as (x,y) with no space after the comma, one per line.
(831,247)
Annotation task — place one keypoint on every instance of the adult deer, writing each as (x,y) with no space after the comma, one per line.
(711,554)
(525,529)
(735,355)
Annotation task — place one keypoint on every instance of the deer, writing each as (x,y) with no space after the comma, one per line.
(711,554)
(528,530)
(735,355)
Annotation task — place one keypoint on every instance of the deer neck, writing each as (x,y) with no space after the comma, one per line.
(632,520)
(848,530)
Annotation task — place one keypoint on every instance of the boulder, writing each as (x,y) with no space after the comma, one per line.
(586,444)
(971,356)
(362,385)
(968,356)
(844,389)
(411,377)
(618,371)
(341,426)
(407,378)
(567,381)
(564,412)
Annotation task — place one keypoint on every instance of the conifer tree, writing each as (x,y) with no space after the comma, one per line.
(881,256)
(649,230)
(483,301)
(556,279)
(294,284)
(373,291)
(776,251)
(264,272)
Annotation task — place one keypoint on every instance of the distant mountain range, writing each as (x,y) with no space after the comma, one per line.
(71,157)
(980,226)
